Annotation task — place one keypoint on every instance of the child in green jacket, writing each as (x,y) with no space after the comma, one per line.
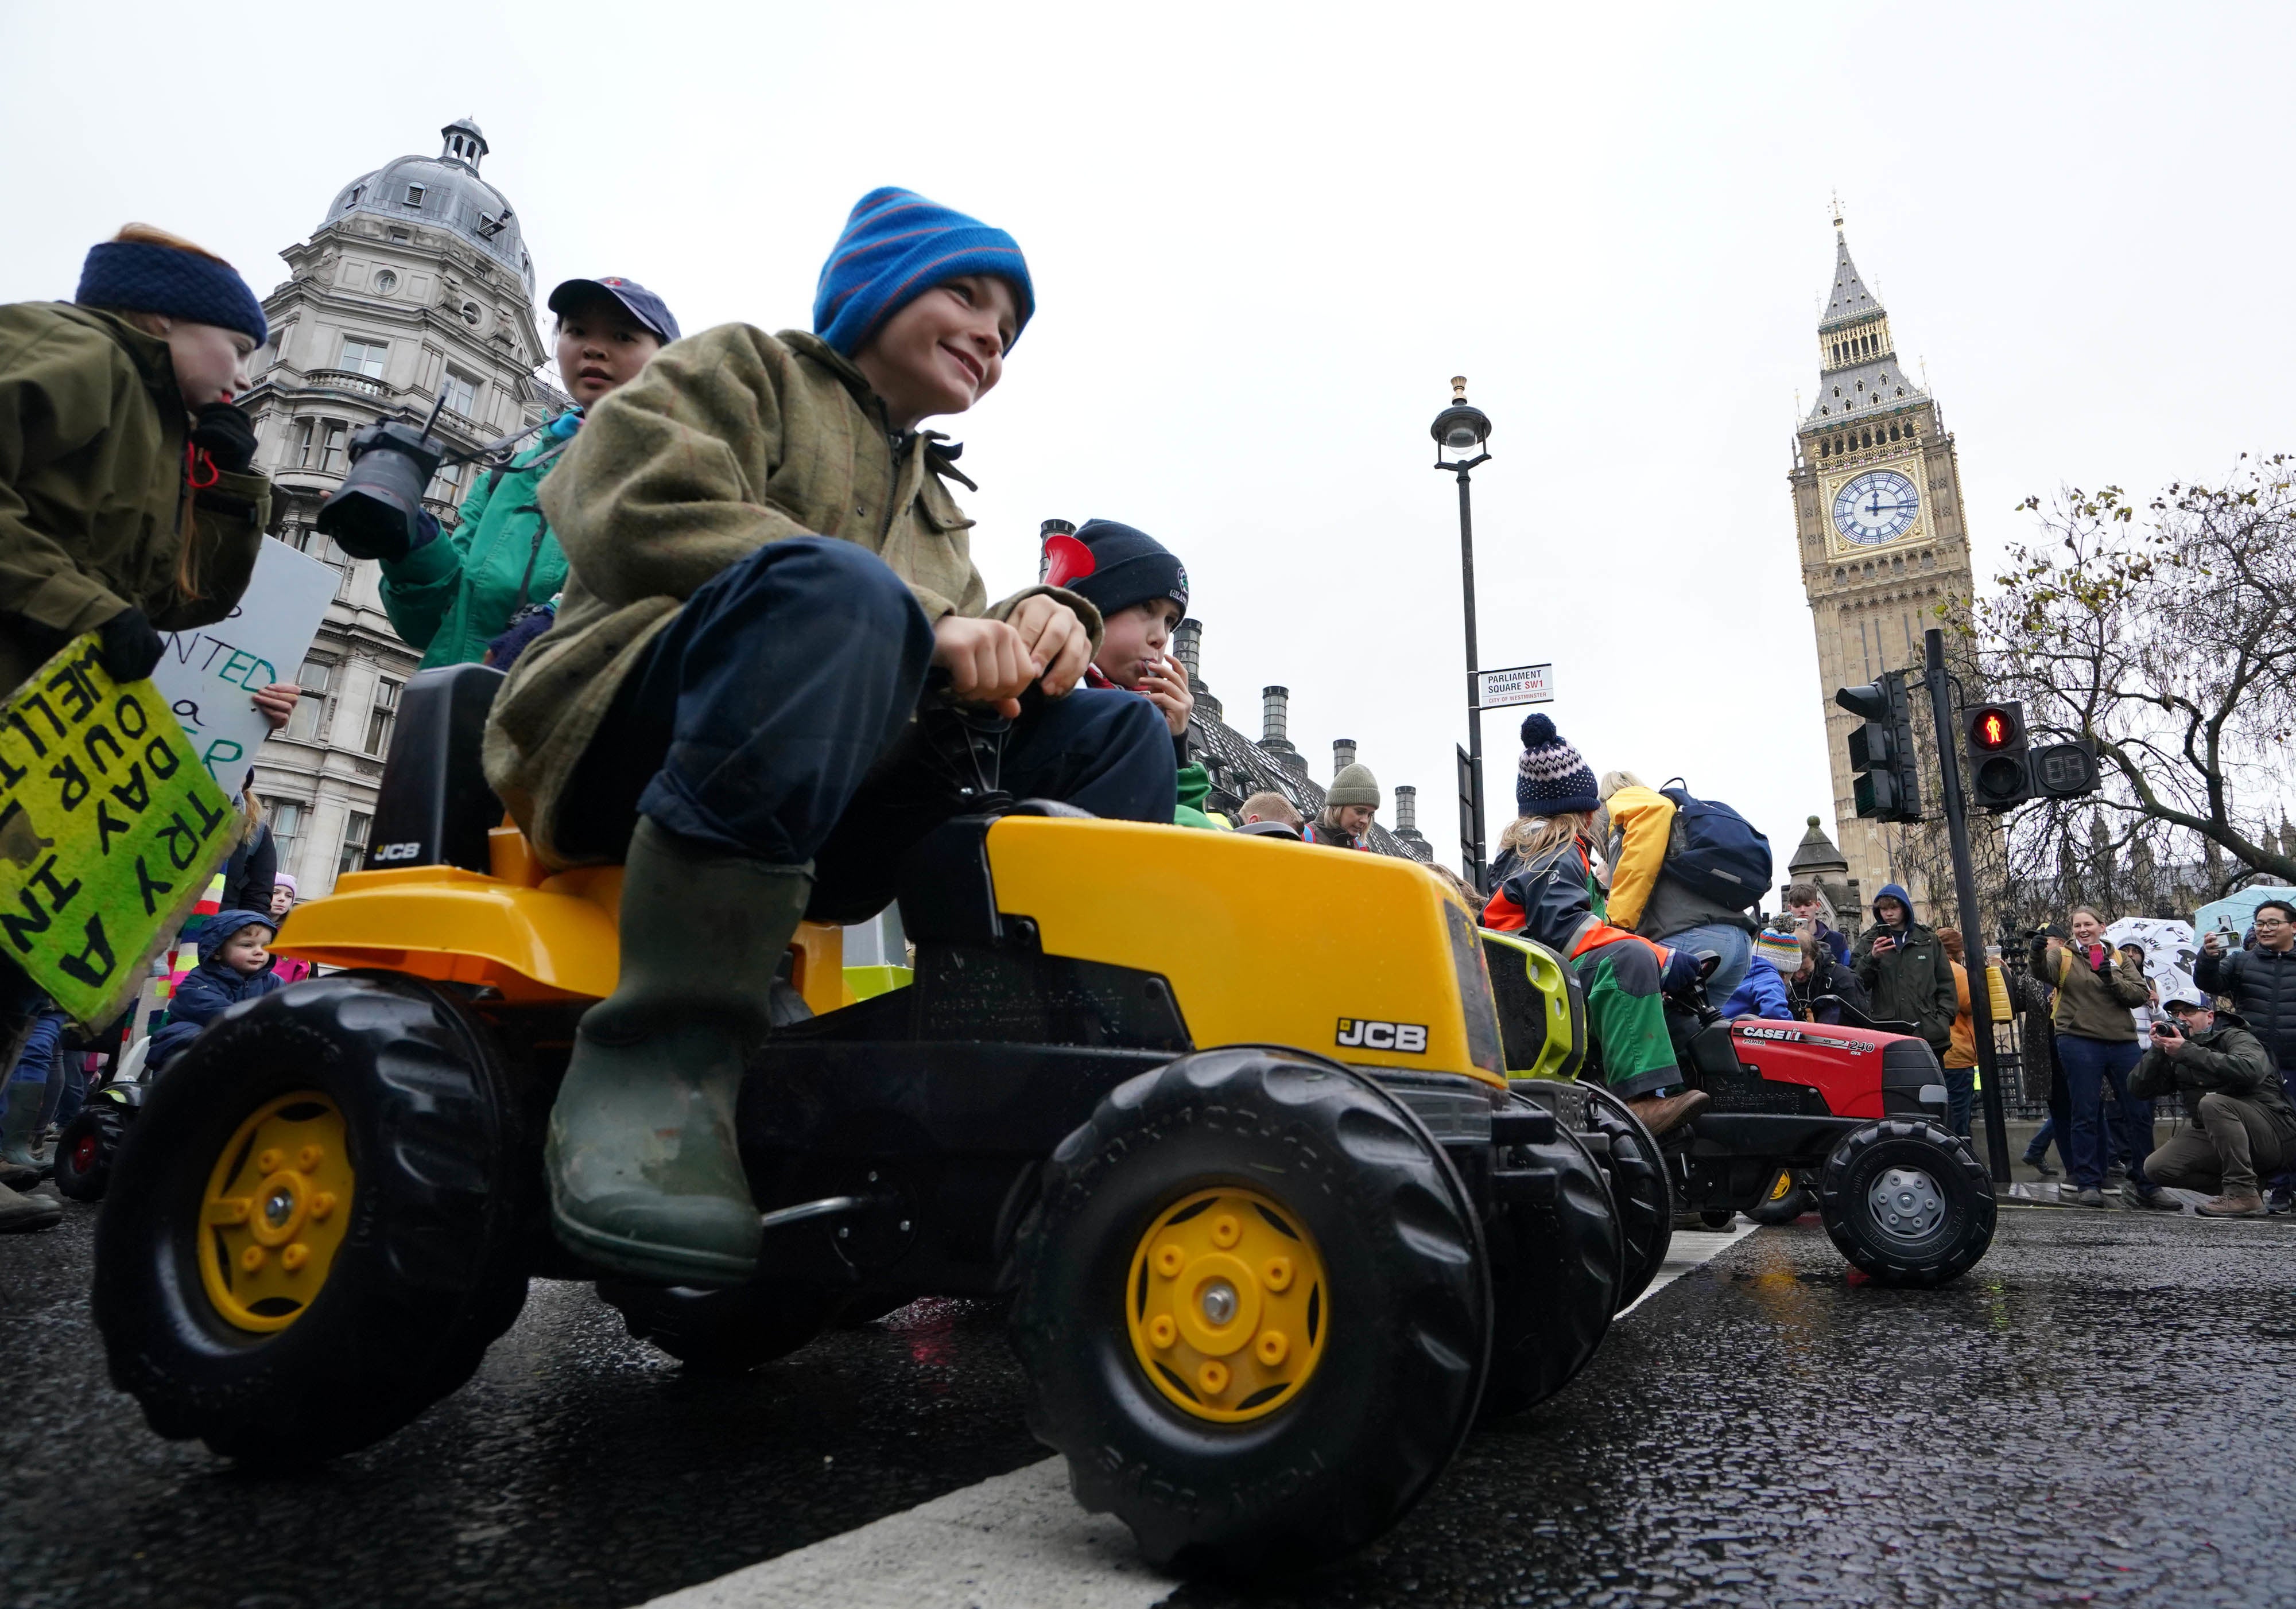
(453,594)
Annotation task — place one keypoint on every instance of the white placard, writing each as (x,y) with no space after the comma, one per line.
(210,675)
(1524,684)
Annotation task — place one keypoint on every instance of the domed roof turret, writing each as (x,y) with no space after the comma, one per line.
(443,191)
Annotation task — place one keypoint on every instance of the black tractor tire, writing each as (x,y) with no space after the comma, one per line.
(726,1331)
(1640,1190)
(1786,1199)
(1943,1192)
(429,1269)
(1556,1268)
(88,1147)
(1402,1361)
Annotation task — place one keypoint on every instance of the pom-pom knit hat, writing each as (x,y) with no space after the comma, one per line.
(1114,566)
(896,247)
(1781,947)
(1550,778)
(140,276)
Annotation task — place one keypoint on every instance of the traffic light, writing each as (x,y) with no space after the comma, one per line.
(1882,751)
(1999,775)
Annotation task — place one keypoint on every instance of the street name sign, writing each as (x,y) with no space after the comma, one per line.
(1523,685)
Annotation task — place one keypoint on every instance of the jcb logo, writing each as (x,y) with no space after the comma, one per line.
(386,852)
(1360,1033)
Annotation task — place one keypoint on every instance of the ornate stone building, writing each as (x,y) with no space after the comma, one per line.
(415,283)
(1878,515)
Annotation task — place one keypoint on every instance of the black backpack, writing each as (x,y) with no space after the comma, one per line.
(1715,852)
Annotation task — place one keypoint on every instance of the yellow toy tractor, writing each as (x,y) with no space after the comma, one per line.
(1228,1118)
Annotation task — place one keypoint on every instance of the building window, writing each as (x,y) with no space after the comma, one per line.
(279,345)
(379,718)
(364,357)
(385,281)
(300,458)
(355,831)
(286,819)
(330,449)
(446,485)
(471,313)
(462,395)
(414,193)
(316,678)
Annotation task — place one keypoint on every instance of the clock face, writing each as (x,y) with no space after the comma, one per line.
(1878,506)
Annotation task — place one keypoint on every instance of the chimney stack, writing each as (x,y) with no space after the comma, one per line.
(1406,824)
(1343,755)
(1275,720)
(1188,649)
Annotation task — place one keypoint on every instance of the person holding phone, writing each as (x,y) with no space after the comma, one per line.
(1903,965)
(2243,1123)
(2098,988)
(2260,984)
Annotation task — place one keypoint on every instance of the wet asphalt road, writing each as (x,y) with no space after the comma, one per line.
(2101,1413)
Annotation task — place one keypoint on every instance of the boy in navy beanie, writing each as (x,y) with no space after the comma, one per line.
(1141,588)
(765,561)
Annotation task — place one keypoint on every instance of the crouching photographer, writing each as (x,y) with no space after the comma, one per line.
(2242,1119)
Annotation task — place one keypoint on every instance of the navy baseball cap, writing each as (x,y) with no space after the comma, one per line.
(643,304)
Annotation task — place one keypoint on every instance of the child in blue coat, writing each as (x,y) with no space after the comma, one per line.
(234,964)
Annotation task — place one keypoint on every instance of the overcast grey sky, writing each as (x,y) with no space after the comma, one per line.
(1263,237)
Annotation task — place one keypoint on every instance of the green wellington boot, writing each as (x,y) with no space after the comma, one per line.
(24,1215)
(20,1128)
(645,1177)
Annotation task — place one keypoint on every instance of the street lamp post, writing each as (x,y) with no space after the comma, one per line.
(1460,431)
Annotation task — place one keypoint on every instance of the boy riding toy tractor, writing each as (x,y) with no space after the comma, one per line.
(1275,1225)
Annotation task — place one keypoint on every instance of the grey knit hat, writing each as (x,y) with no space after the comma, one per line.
(1355,785)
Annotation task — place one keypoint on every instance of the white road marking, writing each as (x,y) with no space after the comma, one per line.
(1015,1542)
(1686,1251)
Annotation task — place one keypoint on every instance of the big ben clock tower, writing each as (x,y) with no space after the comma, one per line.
(1878,513)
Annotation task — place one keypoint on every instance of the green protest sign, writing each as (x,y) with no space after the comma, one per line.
(109,830)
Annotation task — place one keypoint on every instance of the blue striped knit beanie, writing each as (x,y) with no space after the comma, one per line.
(140,276)
(896,247)
(1551,777)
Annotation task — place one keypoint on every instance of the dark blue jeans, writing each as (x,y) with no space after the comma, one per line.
(1960,1095)
(2085,1064)
(774,719)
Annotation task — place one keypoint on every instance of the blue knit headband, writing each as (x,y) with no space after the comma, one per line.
(896,247)
(141,277)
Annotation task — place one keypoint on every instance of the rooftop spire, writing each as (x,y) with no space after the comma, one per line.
(1847,298)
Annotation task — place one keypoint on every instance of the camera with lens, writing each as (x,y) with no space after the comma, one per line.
(377,512)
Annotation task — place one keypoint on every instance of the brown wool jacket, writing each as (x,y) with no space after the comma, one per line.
(91,437)
(2088,1006)
(729,440)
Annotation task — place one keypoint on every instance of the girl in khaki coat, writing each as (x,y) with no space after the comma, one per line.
(765,562)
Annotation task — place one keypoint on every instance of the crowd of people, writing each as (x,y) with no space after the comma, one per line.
(719,585)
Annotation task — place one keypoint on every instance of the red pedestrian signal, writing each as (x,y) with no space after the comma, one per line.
(1999,777)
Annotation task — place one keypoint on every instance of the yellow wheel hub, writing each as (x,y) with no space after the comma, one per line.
(277,1205)
(1227,1305)
(1779,1186)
